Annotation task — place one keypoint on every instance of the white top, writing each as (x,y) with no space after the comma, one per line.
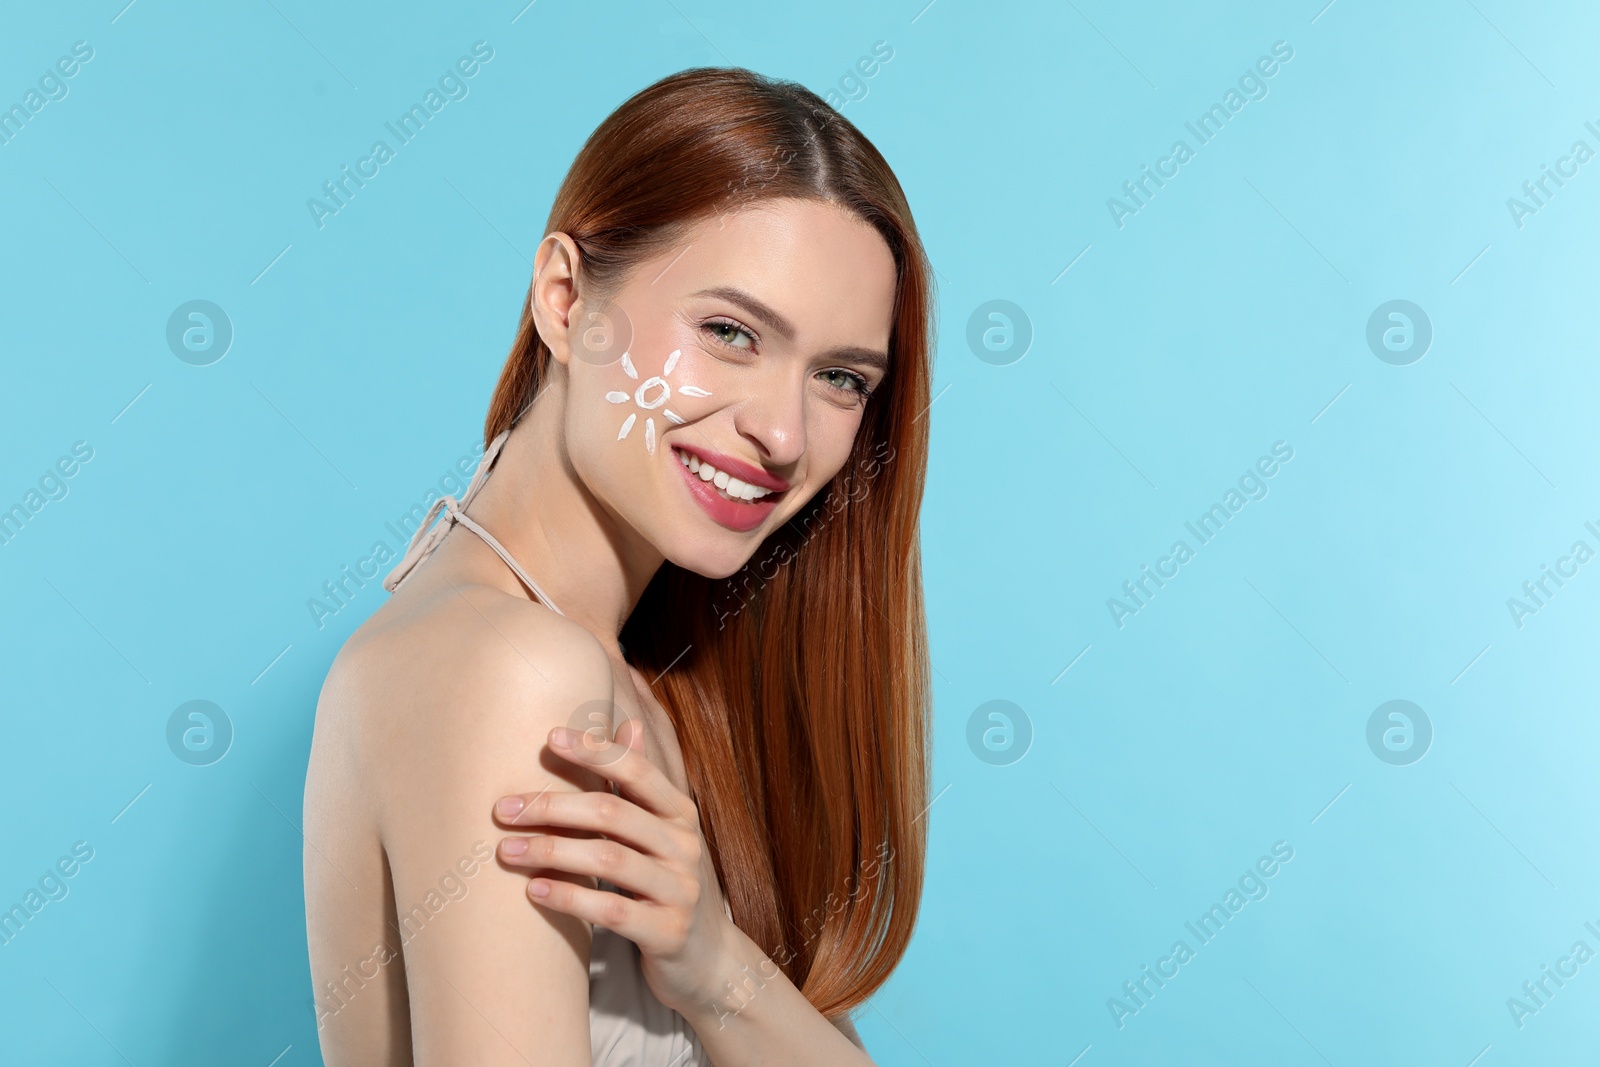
(628,1026)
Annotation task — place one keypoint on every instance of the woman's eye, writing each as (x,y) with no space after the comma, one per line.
(726,332)
(847,382)
(842,383)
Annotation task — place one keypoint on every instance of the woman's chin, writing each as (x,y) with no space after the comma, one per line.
(709,559)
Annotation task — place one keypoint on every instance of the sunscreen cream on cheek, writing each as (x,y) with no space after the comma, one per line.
(649,396)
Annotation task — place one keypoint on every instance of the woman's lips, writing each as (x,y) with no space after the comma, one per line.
(736,468)
(740,515)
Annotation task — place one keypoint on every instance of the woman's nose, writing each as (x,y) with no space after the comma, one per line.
(773,416)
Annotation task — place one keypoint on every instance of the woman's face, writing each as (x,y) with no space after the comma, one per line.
(746,351)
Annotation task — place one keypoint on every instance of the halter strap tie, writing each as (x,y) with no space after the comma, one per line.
(429,535)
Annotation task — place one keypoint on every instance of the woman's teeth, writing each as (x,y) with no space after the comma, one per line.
(732,488)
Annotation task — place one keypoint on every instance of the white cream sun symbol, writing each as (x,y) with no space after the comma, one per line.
(651,394)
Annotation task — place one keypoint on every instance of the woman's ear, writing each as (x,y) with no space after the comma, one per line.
(554,292)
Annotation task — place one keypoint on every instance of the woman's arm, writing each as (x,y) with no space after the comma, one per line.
(762,1018)
(695,958)
(491,979)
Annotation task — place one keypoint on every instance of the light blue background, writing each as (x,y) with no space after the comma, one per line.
(1229,313)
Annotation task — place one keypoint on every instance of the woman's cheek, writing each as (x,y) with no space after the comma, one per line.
(637,398)
(696,386)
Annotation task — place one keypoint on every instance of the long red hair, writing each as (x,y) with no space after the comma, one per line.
(803,701)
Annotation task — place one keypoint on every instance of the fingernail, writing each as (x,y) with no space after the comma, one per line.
(514,846)
(539,888)
(509,806)
(562,737)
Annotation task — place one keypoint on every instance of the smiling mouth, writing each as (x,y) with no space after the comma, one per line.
(726,486)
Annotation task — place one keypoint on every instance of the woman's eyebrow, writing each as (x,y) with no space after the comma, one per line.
(785,329)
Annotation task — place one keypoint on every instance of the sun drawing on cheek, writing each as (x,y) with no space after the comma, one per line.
(651,394)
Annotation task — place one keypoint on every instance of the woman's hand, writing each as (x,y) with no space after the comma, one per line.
(652,847)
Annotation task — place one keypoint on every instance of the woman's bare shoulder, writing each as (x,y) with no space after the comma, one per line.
(445,708)
(458,671)
(848,1028)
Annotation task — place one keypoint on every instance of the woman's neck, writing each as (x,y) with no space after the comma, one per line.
(591,565)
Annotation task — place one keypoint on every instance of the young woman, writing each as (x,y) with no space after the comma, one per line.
(699,548)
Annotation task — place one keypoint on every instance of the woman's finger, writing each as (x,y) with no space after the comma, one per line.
(601,858)
(647,925)
(627,766)
(606,813)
